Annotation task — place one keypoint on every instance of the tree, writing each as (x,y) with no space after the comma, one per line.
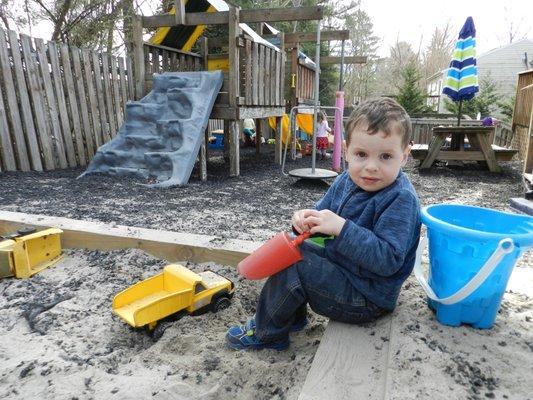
(360,79)
(410,95)
(506,106)
(484,103)
(438,53)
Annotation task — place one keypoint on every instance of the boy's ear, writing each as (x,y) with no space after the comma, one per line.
(405,155)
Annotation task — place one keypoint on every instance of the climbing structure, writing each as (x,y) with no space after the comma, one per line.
(162,133)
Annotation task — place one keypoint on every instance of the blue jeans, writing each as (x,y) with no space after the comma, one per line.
(315,281)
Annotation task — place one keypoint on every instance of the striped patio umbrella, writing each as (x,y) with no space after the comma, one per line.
(461,82)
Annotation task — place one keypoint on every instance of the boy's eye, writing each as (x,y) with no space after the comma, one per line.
(360,154)
(386,156)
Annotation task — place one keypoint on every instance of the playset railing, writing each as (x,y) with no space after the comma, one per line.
(58,103)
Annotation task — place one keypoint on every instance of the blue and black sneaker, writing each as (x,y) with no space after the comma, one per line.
(240,338)
(295,327)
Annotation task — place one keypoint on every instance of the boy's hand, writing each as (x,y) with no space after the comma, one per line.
(298,221)
(324,221)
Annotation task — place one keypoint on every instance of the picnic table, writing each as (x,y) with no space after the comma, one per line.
(478,148)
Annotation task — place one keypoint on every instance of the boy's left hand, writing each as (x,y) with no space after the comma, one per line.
(324,221)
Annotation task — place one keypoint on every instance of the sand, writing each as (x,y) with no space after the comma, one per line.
(60,339)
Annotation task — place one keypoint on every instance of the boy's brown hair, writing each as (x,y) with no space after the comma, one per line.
(381,114)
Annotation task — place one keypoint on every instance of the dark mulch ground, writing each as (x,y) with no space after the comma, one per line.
(253,206)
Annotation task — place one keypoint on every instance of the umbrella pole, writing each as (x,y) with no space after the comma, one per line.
(459,113)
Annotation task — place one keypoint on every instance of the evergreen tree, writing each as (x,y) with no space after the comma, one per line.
(485,102)
(410,95)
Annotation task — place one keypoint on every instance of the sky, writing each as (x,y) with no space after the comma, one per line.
(414,21)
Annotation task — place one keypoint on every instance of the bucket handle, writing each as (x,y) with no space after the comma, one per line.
(505,246)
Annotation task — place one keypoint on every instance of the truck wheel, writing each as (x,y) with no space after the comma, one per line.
(159,330)
(221,303)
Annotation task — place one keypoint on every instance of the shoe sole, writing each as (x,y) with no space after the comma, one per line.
(238,346)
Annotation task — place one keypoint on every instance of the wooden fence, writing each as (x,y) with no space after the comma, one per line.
(305,90)
(58,103)
(523,117)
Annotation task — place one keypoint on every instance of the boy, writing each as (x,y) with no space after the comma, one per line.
(373,212)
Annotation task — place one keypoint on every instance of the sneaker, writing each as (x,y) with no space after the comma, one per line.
(295,327)
(240,338)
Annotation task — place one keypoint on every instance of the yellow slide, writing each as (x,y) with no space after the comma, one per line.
(303,121)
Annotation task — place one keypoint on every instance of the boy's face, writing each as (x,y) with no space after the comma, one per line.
(374,161)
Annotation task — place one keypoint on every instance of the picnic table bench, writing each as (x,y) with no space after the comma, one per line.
(478,149)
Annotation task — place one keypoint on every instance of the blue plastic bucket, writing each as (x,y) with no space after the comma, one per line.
(472,252)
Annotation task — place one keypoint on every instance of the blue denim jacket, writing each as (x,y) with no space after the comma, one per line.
(377,245)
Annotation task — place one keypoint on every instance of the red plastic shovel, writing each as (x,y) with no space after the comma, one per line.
(276,254)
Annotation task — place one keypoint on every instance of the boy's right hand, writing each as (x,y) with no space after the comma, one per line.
(298,221)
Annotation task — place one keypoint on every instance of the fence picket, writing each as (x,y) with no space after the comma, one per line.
(116,95)
(25,107)
(56,135)
(129,75)
(62,104)
(91,96)
(82,102)
(106,135)
(123,89)
(72,100)
(6,155)
(108,95)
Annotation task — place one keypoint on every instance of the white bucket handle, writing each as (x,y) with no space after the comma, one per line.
(505,246)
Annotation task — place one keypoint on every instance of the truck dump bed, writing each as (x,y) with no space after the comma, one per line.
(157,297)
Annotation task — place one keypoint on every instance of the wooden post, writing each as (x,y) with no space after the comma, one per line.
(179,5)
(138,56)
(277,156)
(203,157)
(258,136)
(282,70)
(233,90)
(294,77)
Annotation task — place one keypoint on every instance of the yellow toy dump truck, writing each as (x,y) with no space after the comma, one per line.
(172,292)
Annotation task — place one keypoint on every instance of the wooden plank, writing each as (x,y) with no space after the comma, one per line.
(351,362)
(93,101)
(106,135)
(12,106)
(266,82)
(222,17)
(273,75)
(130,78)
(325,36)
(171,246)
(260,112)
(73,104)
(87,132)
(58,142)
(25,107)
(248,72)
(108,96)
(122,78)
(434,149)
(261,77)
(255,73)
(347,60)
(37,97)
(486,148)
(119,106)
(62,104)
(7,152)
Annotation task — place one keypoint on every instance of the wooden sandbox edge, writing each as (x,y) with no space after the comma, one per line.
(171,246)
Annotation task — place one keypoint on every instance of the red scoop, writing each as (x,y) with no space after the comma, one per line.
(276,254)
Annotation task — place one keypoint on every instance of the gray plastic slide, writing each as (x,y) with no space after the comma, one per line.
(162,133)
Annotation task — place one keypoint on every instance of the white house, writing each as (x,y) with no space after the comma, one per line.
(502,65)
